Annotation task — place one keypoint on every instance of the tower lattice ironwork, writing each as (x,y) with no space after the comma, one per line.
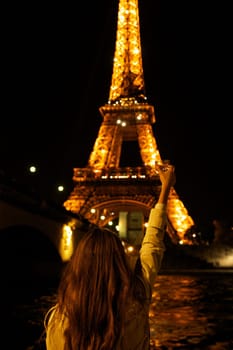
(107,188)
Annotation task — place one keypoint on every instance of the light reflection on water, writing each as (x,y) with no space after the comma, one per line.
(193,311)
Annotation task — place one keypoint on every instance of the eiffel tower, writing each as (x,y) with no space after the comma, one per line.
(107,191)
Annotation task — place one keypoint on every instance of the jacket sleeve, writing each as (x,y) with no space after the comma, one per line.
(152,248)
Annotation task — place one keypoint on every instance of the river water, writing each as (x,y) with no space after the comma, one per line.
(190,310)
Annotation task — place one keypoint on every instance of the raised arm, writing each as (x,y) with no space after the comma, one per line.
(152,249)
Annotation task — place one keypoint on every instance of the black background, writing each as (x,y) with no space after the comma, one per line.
(56,73)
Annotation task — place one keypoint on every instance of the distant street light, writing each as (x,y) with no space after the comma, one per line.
(32,169)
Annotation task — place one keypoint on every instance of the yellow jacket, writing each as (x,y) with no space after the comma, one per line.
(137,332)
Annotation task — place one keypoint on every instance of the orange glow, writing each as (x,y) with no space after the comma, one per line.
(105,186)
(66,244)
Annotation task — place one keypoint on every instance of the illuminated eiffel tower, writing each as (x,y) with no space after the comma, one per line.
(107,192)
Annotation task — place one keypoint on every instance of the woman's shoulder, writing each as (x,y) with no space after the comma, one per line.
(49,315)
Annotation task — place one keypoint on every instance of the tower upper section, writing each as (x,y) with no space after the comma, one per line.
(110,184)
(127,78)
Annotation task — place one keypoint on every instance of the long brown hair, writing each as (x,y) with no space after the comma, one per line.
(94,290)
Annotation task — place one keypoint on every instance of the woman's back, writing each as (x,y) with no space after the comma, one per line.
(102,304)
(135,334)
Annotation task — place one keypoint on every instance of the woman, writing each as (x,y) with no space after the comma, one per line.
(101,303)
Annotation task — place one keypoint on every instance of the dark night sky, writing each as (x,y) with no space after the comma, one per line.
(57,67)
